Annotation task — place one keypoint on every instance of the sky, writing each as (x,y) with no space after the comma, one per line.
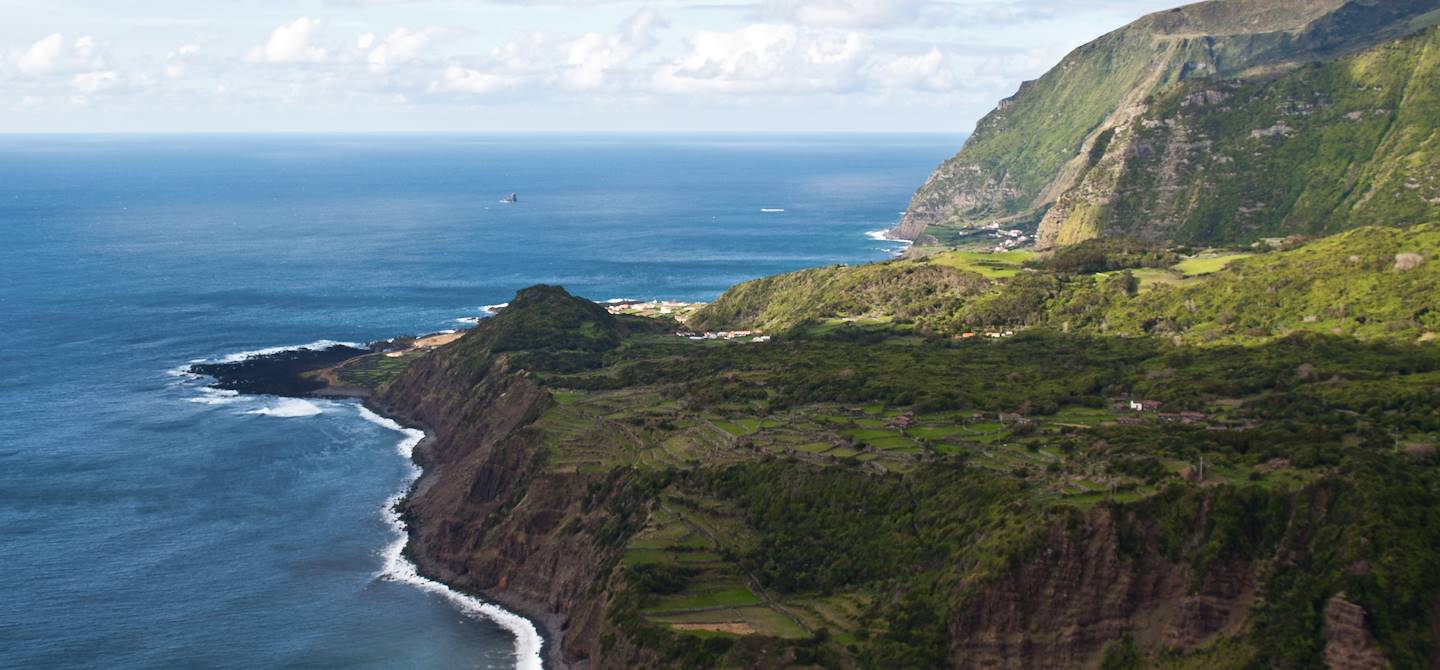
(529,65)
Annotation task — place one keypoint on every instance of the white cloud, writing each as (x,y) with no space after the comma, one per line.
(401,46)
(87,50)
(766,58)
(928,72)
(842,13)
(49,56)
(830,59)
(592,57)
(290,43)
(90,83)
(177,62)
(458,79)
(42,56)
(531,53)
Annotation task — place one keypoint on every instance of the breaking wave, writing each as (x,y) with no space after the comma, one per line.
(398,568)
(288,408)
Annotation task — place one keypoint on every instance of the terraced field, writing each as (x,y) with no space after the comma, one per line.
(683,538)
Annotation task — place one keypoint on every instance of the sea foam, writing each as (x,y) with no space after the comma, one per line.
(398,568)
(289,408)
(318,345)
(884,236)
(214,396)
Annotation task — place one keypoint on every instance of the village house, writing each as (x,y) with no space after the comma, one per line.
(1146,405)
(903,421)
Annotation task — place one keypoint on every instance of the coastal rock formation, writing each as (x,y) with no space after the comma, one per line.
(1065,147)
(486,517)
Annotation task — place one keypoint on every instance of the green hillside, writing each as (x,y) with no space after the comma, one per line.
(1326,148)
(884,291)
(1373,283)
(1037,145)
(897,501)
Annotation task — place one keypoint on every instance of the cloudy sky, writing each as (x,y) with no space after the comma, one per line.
(529,65)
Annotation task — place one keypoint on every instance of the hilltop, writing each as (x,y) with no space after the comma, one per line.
(1149,121)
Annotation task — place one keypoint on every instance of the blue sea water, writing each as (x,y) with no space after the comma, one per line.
(147,524)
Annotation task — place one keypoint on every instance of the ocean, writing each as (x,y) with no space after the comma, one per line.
(148,523)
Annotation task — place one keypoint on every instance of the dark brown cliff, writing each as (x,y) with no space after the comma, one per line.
(486,518)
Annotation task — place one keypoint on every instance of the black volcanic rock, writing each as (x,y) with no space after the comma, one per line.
(280,373)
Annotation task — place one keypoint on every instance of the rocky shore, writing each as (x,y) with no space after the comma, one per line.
(305,372)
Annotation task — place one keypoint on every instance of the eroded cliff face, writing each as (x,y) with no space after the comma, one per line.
(1034,150)
(487,518)
(1312,152)
(1188,568)
(1082,591)
(1348,645)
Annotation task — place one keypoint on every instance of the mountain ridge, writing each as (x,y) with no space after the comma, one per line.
(1036,145)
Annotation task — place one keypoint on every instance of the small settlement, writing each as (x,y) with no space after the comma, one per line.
(1008,239)
(681,311)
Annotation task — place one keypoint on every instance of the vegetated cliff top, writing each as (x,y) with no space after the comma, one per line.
(549,318)
(1228,17)
(1034,146)
(893,498)
(1373,283)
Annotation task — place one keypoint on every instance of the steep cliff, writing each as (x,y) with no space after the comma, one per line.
(1038,146)
(487,517)
(658,502)
(1318,150)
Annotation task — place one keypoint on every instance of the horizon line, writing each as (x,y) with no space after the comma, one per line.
(98,133)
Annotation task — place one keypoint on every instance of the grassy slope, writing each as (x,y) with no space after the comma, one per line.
(1323,149)
(898,289)
(1344,284)
(1035,139)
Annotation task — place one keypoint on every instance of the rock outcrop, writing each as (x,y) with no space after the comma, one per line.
(1081,592)
(1348,645)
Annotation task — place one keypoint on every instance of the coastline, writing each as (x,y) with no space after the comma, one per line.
(537,632)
